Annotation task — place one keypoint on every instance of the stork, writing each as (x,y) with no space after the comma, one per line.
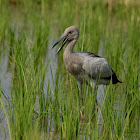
(84,66)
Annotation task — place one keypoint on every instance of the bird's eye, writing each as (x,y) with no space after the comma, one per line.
(70,32)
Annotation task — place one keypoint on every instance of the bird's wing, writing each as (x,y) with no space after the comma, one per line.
(97,67)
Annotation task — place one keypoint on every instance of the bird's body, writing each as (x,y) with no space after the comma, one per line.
(84,66)
(87,66)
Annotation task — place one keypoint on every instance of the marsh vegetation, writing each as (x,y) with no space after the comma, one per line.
(39,99)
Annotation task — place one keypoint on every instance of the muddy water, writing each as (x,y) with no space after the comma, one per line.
(5,81)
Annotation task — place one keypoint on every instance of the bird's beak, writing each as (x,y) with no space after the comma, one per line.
(62,37)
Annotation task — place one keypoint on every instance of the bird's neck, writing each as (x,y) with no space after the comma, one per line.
(69,48)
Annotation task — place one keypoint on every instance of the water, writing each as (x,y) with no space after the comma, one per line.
(51,72)
(6,80)
(6,84)
(5,73)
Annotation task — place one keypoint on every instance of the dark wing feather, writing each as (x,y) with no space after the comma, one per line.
(97,67)
(114,79)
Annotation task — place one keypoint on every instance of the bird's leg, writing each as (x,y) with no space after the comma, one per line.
(95,92)
(81,97)
(80,89)
(82,108)
(93,84)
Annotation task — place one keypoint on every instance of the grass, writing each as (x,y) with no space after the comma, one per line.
(40,108)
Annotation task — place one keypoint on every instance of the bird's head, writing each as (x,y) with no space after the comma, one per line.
(71,33)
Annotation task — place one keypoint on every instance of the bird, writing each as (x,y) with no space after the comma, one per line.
(84,66)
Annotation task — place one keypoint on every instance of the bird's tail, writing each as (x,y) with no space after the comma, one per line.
(115,79)
(119,81)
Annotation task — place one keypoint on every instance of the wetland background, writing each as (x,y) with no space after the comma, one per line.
(39,99)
